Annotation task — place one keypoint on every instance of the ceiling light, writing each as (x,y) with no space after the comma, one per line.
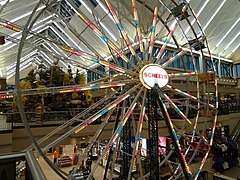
(26,14)
(59,35)
(38,22)
(105,10)
(3,2)
(53,49)
(199,12)
(233,39)
(7,46)
(108,31)
(214,14)
(21,60)
(85,5)
(104,27)
(50,60)
(90,11)
(40,61)
(20,69)
(74,42)
(225,35)
(233,50)
(11,68)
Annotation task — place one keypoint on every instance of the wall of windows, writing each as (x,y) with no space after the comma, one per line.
(92,76)
(226,69)
(237,68)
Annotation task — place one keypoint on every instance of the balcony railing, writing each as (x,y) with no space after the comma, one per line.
(10,120)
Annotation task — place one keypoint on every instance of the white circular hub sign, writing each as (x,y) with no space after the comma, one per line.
(152,74)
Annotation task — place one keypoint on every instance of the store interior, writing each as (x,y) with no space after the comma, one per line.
(119,90)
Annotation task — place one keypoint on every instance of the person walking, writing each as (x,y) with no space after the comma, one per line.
(89,163)
(55,157)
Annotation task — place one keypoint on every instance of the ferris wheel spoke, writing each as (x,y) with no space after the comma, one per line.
(173,75)
(166,41)
(71,50)
(152,34)
(189,96)
(121,29)
(74,88)
(106,109)
(186,152)
(93,139)
(99,130)
(57,56)
(104,38)
(184,104)
(96,60)
(202,163)
(117,131)
(76,118)
(32,33)
(94,117)
(174,58)
(170,34)
(174,106)
(138,135)
(138,30)
(184,165)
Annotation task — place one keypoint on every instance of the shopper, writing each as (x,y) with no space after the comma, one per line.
(55,157)
(89,163)
(75,159)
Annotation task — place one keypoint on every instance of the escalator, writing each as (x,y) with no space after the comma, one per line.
(20,165)
(236,132)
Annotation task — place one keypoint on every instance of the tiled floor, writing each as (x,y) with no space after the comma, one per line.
(233,172)
(50,174)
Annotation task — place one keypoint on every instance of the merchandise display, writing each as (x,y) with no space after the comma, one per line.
(225,155)
(64,161)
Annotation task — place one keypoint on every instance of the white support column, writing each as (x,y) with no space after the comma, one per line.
(201,63)
(85,72)
(2,63)
(234,71)
(219,67)
(1,73)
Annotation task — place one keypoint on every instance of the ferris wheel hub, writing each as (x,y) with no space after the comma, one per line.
(152,74)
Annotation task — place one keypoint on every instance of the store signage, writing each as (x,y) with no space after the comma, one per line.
(153,74)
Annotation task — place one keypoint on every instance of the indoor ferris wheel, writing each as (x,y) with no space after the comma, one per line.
(142,87)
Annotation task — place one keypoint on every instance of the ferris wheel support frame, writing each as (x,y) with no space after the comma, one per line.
(28,26)
(153,133)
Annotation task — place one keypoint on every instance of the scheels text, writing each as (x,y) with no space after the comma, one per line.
(153,75)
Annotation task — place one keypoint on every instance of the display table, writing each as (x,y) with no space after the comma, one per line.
(64,161)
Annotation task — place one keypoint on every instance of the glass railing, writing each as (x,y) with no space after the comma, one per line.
(236,132)
(226,108)
(52,117)
(4,124)
(20,166)
(11,120)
